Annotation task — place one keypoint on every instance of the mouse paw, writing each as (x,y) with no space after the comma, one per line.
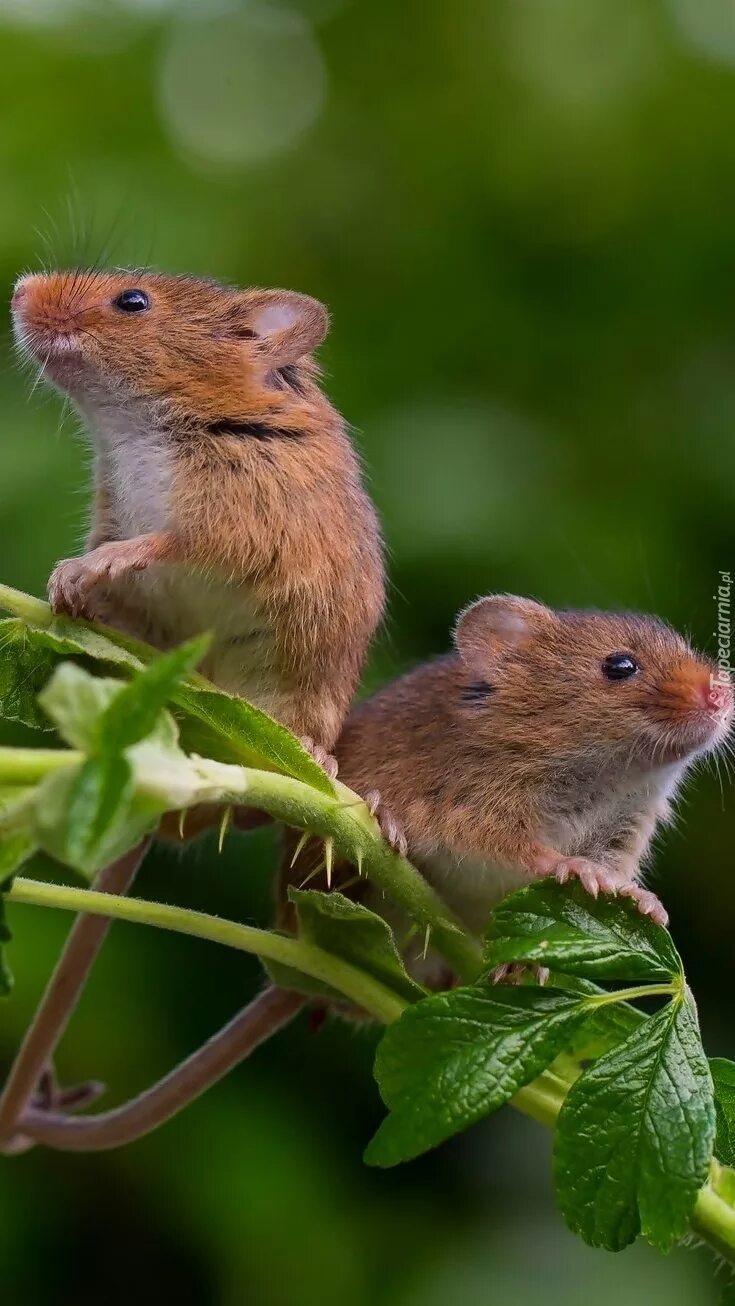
(325,760)
(73,579)
(514,972)
(68,587)
(648,904)
(389,827)
(593,876)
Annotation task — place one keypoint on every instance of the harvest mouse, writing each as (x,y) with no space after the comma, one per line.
(547,743)
(228,495)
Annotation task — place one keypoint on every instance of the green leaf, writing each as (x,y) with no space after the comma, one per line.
(24,670)
(723,1077)
(134,712)
(457,1056)
(232,730)
(564,927)
(29,654)
(350,931)
(75,701)
(85,816)
(215,724)
(635,1134)
(98,800)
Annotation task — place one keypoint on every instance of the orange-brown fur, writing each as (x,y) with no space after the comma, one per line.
(278,522)
(514,756)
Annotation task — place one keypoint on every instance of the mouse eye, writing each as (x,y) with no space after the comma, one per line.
(132,301)
(620,666)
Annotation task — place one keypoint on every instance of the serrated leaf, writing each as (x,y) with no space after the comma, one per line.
(457,1056)
(564,927)
(24,670)
(350,931)
(723,1078)
(29,654)
(605,1028)
(634,1137)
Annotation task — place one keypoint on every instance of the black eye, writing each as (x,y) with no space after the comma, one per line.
(620,666)
(132,301)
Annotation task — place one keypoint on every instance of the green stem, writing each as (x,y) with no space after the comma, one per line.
(348,821)
(345,818)
(24,766)
(713,1219)
(360,988)
(628,995)
(25,606)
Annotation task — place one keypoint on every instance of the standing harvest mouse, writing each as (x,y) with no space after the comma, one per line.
(228,494)
(547,743)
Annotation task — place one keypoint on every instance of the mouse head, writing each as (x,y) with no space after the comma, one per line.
(624,689)
(203,350)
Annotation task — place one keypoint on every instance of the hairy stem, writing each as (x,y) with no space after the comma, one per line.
(359,987)
(260,1019)
(345,818)
(80,951)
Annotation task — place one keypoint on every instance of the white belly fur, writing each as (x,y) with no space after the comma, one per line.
(169,603)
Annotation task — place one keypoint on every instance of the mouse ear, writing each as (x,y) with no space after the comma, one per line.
(286,324)
(499,621)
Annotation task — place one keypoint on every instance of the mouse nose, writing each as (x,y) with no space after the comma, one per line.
(20,293)
(717,696)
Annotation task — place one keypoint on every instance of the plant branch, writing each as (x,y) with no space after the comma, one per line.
(713,1218)
(80,951)
(345,818)
(359,987)
(258,1021)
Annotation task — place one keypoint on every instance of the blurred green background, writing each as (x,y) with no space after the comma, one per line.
(520,213)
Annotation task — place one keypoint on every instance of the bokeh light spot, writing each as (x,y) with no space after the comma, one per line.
(242,87)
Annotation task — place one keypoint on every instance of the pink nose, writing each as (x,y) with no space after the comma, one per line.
(19,294)
(718,698)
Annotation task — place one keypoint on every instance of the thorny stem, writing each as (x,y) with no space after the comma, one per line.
(345,818)
(355,831)
(258,1021)
(80,951)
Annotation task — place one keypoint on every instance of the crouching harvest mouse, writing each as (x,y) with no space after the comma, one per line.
(547,743)
(228,494)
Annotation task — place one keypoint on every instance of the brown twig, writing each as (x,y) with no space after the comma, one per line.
(80,951)
(269,1012)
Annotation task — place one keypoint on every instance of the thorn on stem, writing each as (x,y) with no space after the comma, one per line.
(303,840)
(225,824)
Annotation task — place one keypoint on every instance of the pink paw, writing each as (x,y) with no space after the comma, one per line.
(593,876)
(648,904)
(69,585)
(389,827)
(325,760)
(73,579)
